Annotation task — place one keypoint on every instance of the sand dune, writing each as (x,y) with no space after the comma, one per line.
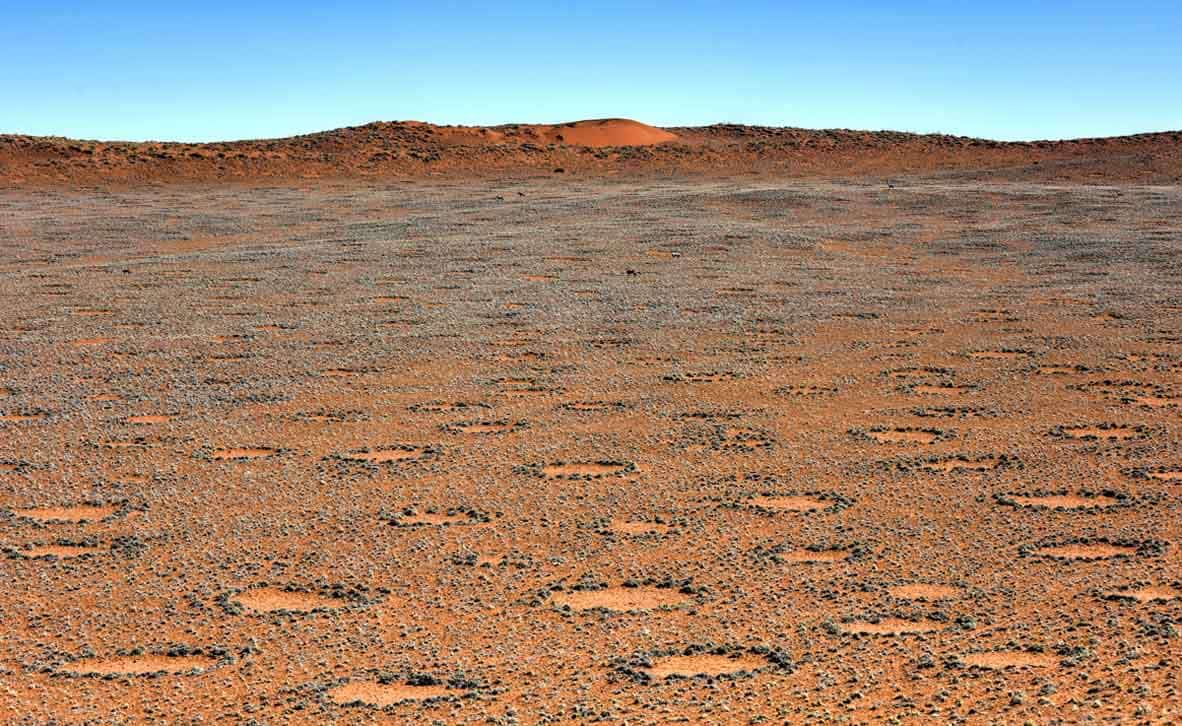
(600,147)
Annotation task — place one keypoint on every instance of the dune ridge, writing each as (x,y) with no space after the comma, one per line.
(600,147)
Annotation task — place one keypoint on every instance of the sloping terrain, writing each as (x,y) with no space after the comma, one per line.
(595,148)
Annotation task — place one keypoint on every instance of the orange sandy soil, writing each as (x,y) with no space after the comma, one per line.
(603,147)
(558,449)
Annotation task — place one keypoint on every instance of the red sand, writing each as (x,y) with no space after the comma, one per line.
(596,147)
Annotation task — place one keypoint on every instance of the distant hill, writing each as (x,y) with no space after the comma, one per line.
(595,147)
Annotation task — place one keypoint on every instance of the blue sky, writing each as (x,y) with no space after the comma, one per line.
(220,70)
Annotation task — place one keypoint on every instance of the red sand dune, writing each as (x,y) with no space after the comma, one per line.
(598,147)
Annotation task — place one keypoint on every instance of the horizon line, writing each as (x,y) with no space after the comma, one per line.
(250,139)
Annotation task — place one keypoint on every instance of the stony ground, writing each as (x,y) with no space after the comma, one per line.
(732,451)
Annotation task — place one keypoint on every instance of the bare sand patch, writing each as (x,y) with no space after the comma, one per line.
(64,552)
(806,390)
(583,469)
(592,406)
(638,528)
(941,389)
(808,556)
(1055,370)
(955,464)
(792,503)
(1147,594)
(924,591)
(437,519)
(445,406)
(1107,433)
(998,354)
(706,377)
(373,693)
(482,427)
(124,444)
(688,666)
(1091,551)
(1064,501)
(341,372)
(891,626)
(996,660)
(75,514)
(904,436)
(148,419)
(21,417)
(139,665)
(272,599)
(621,599)
(243,453)
(388,455)
(1156,401)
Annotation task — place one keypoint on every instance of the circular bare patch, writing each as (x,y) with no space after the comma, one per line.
(808,556)
(60,551)
(995,660)
(460,516)
(484,427)
(1060,370)
(924,591)
(236,454)
(593,406)
(580,469)
(1146,594)
(342,372)
(274,599)
(740,438)
(789,503)
(1086,551)
(805,390)
(1158,473)
(621,599)
(1101,432)
(891,626)
(391,454)
(139,665)
(910,372)
(960,463)
(1158,400)
(1000,355)
(706,664)
(22,417)
(445,406)
(638,528)
(381,695)
(1084,500)
(939,389)
(702,377)
(902,435)
(74,514)
(322,416)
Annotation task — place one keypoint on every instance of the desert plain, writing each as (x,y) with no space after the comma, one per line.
(784,428)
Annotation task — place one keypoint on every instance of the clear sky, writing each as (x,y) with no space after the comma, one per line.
(1007,69)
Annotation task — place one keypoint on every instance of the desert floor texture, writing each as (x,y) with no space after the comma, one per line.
(556,449)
